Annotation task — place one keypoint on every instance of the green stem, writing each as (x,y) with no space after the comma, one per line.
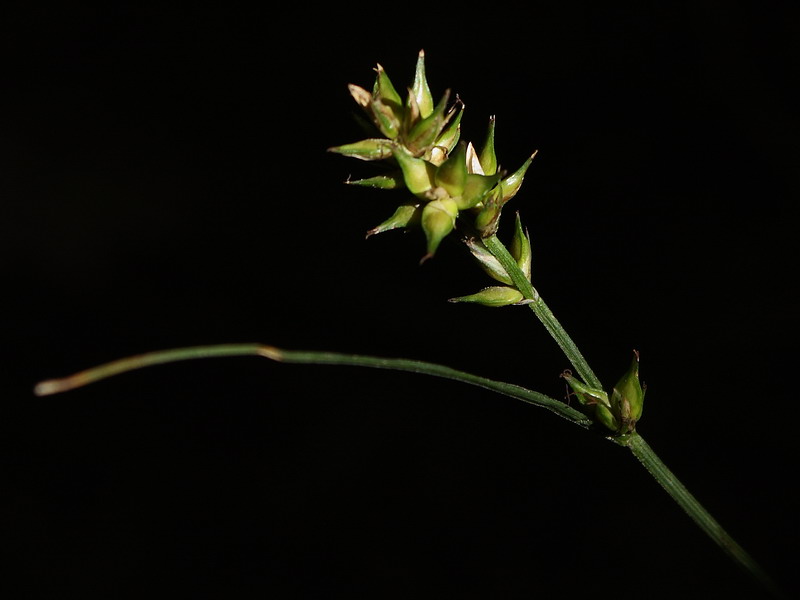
(541,310)
(117,367)
(642,450)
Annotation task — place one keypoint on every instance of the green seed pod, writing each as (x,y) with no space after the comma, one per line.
(452,173)
(488,219)
(370,149)
(438,220)
(385,118)
(594,402)
(418,174)
(405,215)
(495,296)
(512,183)
(476,188)
(627,398)
(384,90)
(423,134)
(448,138)
(520,248)
(420,90)
(386,105)
(487,156)
(389,181)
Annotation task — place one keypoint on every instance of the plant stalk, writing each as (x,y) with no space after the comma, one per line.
(542,311)
(672,485)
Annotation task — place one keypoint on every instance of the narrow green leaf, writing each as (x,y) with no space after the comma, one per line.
(160,357)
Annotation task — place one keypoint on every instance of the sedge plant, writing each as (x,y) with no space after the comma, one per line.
(453,188)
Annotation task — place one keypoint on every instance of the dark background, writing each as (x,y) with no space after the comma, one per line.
(165,183)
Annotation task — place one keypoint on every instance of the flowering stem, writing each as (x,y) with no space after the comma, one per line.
(542,311)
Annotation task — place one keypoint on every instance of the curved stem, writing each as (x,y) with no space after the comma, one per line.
(541,310)
(642,450)
(117,367)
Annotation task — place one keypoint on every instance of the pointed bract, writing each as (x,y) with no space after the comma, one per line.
(487,158)
(513,182)
(386,105)
(417,173)
(384,89)
(452,173)
(424,133)
(476,189)
(420,89)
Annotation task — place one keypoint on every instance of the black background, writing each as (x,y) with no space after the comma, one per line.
(165,183)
